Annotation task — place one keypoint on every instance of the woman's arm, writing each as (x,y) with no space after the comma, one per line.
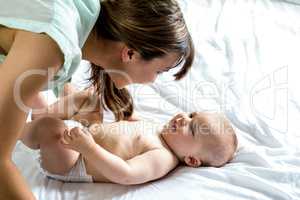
(65,107)
(82,105)
(30,54)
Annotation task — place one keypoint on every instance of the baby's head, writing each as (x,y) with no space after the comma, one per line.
(201,139)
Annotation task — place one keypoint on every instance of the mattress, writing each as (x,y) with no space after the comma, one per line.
(247,60)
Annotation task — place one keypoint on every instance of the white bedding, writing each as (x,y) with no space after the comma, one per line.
(247,67)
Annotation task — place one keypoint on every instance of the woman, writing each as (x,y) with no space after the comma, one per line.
(127,41)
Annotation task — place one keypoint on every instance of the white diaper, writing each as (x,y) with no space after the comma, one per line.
(77,173)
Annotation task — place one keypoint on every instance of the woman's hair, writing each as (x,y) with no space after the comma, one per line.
(153,28)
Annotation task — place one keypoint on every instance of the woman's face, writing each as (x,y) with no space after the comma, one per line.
(138,70)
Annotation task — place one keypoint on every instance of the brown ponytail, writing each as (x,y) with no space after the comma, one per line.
(119,101)
(153,28)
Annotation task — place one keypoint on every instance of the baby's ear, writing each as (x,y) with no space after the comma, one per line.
(192,161)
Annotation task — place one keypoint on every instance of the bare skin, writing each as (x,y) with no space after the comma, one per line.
(82,106)
(27,51)
(126,146)
(130,153)
(133,143)
(21,48)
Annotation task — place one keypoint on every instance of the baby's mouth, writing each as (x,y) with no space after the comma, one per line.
(172,127)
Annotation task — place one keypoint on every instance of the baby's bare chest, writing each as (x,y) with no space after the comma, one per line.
(127,140)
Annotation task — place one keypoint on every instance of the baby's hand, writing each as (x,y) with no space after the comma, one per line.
(78,140)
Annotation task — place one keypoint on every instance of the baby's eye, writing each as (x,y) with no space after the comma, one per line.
(191,115)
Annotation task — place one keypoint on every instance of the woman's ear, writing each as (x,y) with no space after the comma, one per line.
(127,54)
(192,161)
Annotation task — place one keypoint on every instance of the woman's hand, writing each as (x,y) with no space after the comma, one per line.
(79,140)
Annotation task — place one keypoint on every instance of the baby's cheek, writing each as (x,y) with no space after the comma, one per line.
(184,132)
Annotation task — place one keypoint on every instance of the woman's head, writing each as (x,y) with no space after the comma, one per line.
(145,38)
(152,37)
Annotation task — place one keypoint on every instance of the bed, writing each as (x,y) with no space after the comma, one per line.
(246,66)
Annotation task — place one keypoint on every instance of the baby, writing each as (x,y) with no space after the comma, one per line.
(130,153)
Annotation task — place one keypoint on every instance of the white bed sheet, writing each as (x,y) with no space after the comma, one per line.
(247,67)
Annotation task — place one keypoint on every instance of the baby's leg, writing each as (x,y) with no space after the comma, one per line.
(45,133)
(29,136)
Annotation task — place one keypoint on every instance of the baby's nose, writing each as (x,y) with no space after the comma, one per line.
(181,121)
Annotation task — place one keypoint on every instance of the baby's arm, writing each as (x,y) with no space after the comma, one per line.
(150,165)
(146,167)
(143,168)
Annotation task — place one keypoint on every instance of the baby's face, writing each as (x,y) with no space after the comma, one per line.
(197,137)
(180,136)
